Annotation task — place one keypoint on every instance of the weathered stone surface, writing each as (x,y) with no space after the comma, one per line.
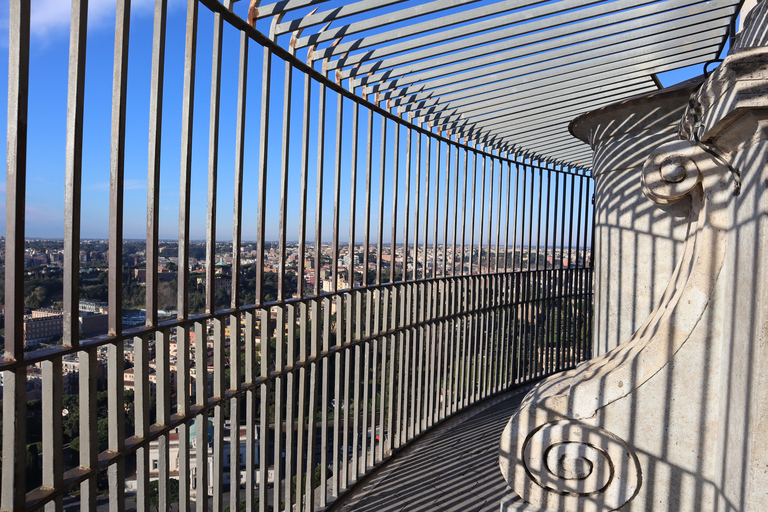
(638,242)
(673,417)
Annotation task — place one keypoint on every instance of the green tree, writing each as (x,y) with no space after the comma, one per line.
(154,493)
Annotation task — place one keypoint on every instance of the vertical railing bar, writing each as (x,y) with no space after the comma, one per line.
(290,384)
(141,411)
(523,342)
(426,205)
(264,394)
(464,212)
(471,285)
(554,283)
(407,205)
(266,76)
(201,420)
(508,333)
(590,266)
(182,298)
(73,178)
(242,87)
(163,412)
(415,373)
(210,265)
(303,187)
(472,210)
(116,356)
(446,201)
(213,164)
(278,390)
(366,381)
(455,282)
(355,383)
(395,182)
(430,333)
(153,178)
(525,274)
(409,316)
(324,406)
(444,285)
(312,406)
(424,344)
(546,274)
(250,410)
(455,209)
(436,304)
(341,457)
(569,292)
(462,294)
(402,362)
(576,277)
(234,320)
(316,335)
(498,214)
(153,201)
(337,190)
(380,220)
(349,469)
(306,394)
(567,276)
(53,455)
(581,272)
(527,280)
(514,324)
(89,447)
(234,408)
(479,288)
(280,382)
(436,218)
(335,273)
(368,177)
(369,378)
(416,210)
(265,388)
(301,416)
(387,435)
(561,281)
(353,190)
(487,296)
(537,291)
(498,333)
(395,357)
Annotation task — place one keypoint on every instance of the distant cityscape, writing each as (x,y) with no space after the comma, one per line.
(44,261)
(43,321)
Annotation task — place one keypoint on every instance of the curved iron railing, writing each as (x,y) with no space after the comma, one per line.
(485,282)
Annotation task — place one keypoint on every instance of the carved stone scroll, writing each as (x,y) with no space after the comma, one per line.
(672,419)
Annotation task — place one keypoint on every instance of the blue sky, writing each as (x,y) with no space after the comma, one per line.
(47,116)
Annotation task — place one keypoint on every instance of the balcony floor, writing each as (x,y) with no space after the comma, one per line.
(453,468)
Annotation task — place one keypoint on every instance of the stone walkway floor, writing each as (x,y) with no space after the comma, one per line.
(453,468)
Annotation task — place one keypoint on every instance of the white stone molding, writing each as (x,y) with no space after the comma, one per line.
(672,419)
(556,452)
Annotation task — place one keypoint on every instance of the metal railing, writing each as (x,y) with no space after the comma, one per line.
(466,270)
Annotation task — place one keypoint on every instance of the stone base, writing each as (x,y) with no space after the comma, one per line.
(513,503)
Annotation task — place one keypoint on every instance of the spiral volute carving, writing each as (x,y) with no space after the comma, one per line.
(670,172)
(581,466)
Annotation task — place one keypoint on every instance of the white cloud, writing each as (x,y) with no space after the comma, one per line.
(52,17)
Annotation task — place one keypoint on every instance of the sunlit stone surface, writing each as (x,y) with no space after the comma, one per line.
(672,415)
